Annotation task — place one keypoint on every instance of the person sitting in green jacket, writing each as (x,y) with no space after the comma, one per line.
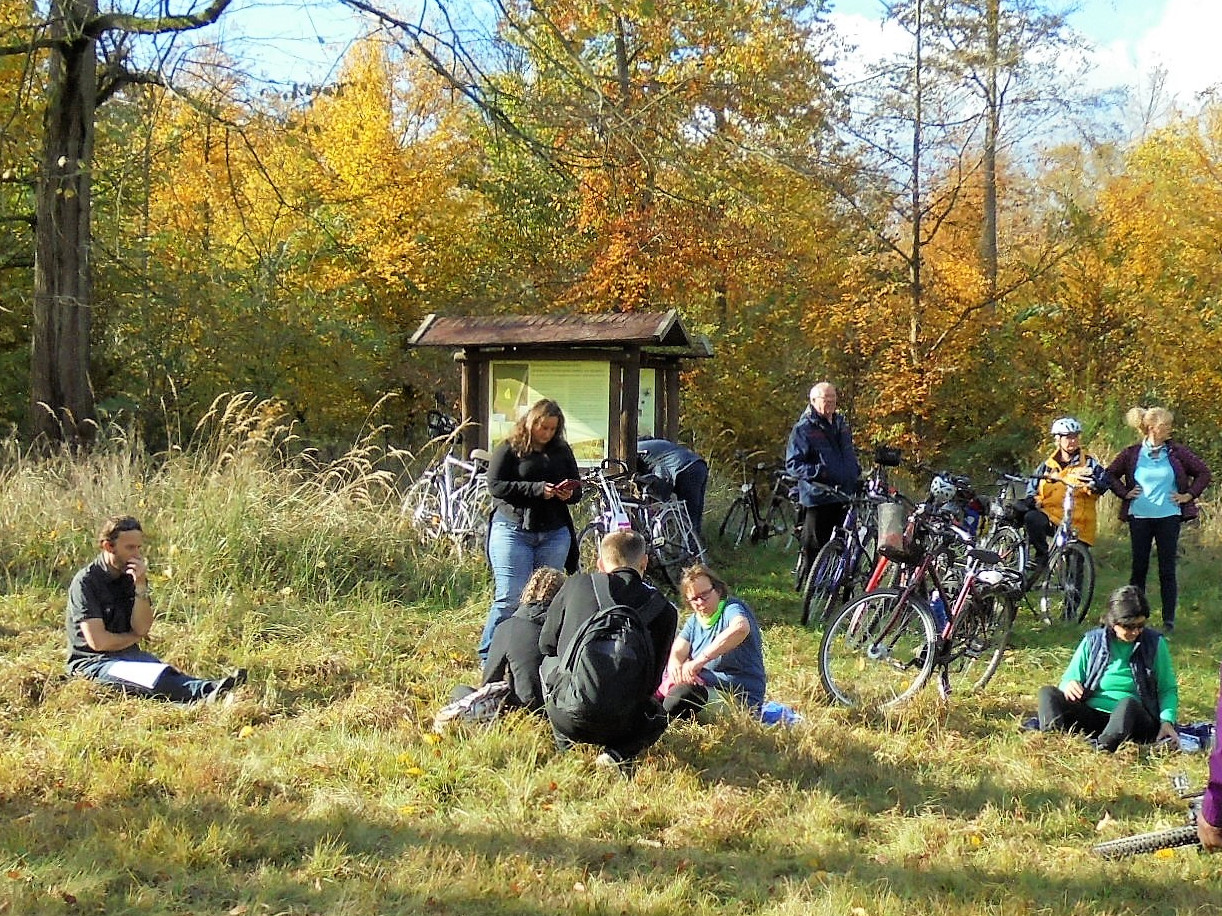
(1120,683)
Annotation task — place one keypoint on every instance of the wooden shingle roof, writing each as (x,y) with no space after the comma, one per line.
(644,329)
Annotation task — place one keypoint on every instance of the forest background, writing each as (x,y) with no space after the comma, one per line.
(959,235)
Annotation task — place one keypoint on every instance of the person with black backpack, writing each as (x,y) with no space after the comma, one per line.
(605,643)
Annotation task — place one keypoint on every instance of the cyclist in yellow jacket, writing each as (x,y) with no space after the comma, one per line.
(1067,466)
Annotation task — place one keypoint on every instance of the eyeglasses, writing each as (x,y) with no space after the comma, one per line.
(702,596)
(1132,627)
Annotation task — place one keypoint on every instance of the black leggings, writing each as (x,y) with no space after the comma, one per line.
(1128,720)
(1163,533)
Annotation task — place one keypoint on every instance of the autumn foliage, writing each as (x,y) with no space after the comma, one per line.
(639,156)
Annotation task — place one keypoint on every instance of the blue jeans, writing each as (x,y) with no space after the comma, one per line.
(514,555)
(172,684)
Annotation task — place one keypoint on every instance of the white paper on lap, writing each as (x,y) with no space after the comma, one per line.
(144,674)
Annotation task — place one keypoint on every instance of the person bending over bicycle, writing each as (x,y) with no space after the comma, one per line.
(821,451)
(1067,466)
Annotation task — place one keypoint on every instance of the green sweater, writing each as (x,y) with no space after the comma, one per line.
(1118,682)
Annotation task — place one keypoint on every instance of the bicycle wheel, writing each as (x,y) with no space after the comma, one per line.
(981,634)
(1011,545)
(423,506)
(878,652)
(779,523)
(670,549)
(736,526)
(1069,585)
(1147,842)
(587,546)
(472,512)
(823,583)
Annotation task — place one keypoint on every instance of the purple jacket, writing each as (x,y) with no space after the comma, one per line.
(1211,806)
(1191,476)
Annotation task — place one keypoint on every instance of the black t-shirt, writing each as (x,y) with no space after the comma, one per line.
(96,592)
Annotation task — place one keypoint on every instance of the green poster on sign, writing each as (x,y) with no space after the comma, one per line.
(582,389)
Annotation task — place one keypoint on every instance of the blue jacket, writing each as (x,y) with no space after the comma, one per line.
(822,450)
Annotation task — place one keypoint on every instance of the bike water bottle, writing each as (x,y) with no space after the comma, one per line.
(938,607)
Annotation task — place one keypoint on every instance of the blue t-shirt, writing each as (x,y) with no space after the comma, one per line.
(739,671)
(1156,477)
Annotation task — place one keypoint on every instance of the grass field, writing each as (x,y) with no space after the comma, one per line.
(321,789)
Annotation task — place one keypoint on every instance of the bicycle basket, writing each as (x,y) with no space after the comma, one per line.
(891,521)
(887,455)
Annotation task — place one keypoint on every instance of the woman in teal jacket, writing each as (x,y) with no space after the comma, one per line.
(1120,683)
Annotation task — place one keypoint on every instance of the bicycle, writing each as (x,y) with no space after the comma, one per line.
(848,557)
(670,537)
(451,501)
(884,647)
(1067,586)
(747,519)
(1167,838)
(847,560)
(1004,533)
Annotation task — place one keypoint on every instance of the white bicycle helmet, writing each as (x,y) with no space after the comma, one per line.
(942,488)
(1066,426)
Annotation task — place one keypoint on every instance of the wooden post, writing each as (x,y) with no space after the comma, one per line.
(474,398)
(670,426)
(629,401)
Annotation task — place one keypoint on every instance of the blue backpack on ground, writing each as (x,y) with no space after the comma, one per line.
(608,669)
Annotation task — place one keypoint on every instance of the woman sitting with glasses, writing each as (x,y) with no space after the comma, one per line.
(1120,683)
(719,650)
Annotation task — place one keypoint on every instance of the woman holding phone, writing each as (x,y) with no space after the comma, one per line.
(533,477)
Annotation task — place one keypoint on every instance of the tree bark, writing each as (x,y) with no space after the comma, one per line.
(61,395)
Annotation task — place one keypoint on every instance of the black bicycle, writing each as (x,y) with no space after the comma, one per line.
(749,520)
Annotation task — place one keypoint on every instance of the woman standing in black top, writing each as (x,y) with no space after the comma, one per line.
(533,477)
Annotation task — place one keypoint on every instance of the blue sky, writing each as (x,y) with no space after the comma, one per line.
(1131,38)
(302,39)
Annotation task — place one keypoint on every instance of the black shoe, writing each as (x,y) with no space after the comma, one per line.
(1168,627)
(1036,570)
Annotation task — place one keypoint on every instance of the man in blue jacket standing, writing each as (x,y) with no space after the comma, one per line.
(821,451)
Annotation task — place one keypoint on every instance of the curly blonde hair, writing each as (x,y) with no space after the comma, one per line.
(542,586)
(1143,418)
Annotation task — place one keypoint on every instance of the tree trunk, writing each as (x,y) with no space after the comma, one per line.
(988,232)
(62,404)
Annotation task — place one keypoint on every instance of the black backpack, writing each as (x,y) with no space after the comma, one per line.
(608,669)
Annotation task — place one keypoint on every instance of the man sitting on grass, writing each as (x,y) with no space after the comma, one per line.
(110,611)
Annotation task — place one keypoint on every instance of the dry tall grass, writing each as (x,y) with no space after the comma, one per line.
(321,790)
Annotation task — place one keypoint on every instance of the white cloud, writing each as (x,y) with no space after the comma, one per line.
(1183,43)
(870,41)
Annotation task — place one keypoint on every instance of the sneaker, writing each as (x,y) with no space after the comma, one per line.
(610,760)
(234,679)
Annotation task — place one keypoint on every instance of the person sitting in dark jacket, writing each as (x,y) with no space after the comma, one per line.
(622,560)
(515,655)
(1120,683)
